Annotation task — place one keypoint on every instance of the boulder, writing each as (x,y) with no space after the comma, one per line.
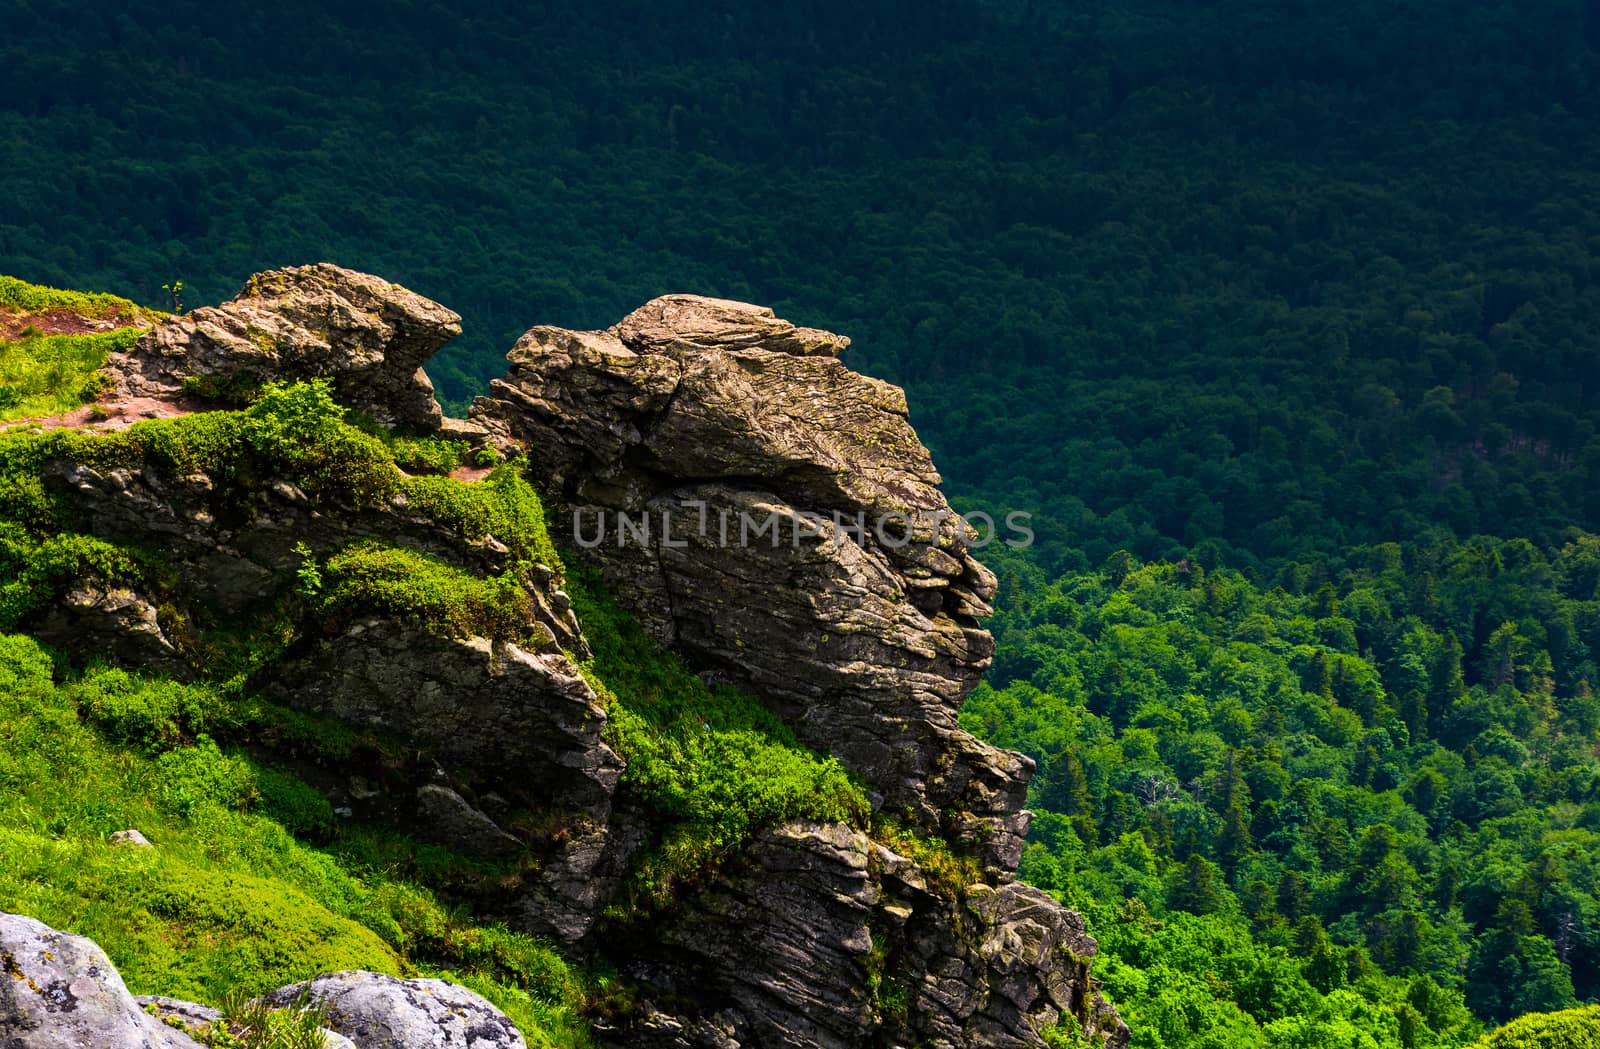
(383,1012)
(130,837)
(60,991)
(368,336)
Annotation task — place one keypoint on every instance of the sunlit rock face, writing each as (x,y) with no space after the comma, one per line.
(772,515)
(303,322)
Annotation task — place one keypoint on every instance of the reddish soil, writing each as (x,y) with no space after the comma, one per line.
(471,473)
(117,413)
(62,322)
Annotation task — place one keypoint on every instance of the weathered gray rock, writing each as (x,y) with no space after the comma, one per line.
(130,837)
(95,617)
(447,817)
(59,991)
(383,1012)
(823,939)
(675,324)
(495,718)
(189,1014)
(369,336)
(704,420)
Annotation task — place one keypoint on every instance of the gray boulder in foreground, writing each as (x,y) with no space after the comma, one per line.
(59,991)
(383,1012)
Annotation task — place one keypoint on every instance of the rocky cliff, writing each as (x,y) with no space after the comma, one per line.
(763,511)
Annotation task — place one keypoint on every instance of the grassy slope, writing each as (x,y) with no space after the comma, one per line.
(45,374)
(228,898)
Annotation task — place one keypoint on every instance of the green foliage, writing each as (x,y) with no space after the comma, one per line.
(712,764)
(152,715)
(228,899)
(503,505)
(415,588)
(297,434)
(1569,1029)
(1386,767)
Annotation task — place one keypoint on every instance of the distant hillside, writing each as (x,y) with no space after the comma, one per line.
(1274,277)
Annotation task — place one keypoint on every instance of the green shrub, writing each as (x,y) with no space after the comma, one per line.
(1568,1029)
(503,505)
(250,1024)
(203,775)
(36,570)
(153,715)
(300,810)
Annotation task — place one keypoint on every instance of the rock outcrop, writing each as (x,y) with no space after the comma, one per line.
(371,337)
(768,514)
(773,516)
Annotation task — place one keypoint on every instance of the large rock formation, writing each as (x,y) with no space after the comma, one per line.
(773,516)
(768,514)
(302,322)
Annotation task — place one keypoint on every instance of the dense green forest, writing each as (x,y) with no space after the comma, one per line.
(1279,317)
(1385,780)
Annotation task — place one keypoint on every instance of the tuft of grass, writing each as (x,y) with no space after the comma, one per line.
(250,1024)
(949,873)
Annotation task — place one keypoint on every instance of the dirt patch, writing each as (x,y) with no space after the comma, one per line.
(471,473)
(64,322)
(116,413)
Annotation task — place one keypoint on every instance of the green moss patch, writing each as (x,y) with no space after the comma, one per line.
(417,589)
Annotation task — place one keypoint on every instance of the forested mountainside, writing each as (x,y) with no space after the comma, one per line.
(1280,319)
